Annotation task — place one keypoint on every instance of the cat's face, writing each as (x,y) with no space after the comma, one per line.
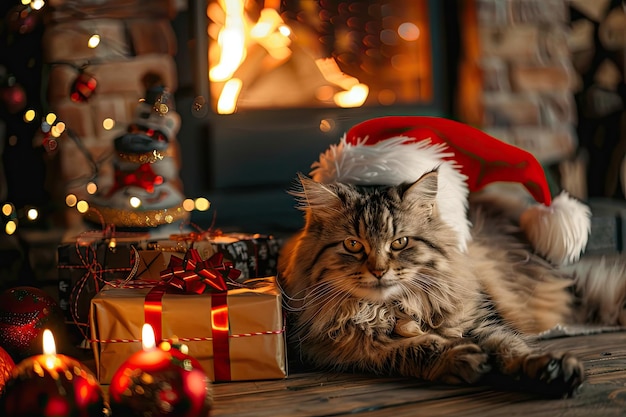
(376,243)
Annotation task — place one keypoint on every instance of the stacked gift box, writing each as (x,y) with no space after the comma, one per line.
(104,282)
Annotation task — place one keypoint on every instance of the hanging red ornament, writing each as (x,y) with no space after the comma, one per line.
(160,382)
(6,367)
(24,314)
(13,96)
(83,87)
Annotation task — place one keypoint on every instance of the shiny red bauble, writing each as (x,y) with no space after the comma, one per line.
(6,368)
(24,314)
(52,387)
(83,87)
(160,382)
(13,98)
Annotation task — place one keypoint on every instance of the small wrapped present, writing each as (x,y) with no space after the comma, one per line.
(86,264)
(255,255)
(235,330)
(82,271)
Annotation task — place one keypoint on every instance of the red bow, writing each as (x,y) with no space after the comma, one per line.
(193,275)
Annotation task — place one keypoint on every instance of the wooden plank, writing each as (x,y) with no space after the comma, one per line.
(328,394)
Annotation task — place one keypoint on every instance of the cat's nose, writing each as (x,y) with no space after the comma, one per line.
(378,273)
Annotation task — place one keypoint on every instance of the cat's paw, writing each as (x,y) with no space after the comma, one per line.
(462,363)
(555,374)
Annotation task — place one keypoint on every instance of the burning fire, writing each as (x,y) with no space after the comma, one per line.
(241,40)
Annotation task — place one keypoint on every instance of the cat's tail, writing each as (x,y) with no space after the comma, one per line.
(600,288)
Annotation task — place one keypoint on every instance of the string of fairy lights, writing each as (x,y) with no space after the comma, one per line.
(54,131)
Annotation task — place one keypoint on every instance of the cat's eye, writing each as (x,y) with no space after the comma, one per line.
(352,245)
(400,243)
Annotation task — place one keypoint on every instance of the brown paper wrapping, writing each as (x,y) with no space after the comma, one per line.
(256,343)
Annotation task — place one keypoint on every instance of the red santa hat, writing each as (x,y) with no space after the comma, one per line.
(395,149)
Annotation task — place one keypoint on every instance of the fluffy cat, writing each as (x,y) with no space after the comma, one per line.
(374,282)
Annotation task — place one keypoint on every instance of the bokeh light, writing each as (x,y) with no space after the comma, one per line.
(202,204)
(82,206)
(94,41)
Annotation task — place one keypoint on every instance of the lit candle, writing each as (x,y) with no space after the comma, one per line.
(160,381)
(62,386)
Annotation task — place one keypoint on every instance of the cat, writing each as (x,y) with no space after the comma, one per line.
(375,282)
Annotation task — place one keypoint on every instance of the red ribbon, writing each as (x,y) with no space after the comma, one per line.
(192,275)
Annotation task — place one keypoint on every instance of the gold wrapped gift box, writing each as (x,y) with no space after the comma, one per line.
(256,341)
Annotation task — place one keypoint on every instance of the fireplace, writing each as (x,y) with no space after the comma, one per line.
(276,82)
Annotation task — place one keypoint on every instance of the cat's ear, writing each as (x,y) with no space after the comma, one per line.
(315,195)
(422,192)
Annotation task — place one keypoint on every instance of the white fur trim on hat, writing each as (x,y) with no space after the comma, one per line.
(558,232)
(387,163)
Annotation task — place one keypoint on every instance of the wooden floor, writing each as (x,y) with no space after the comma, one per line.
(323,394)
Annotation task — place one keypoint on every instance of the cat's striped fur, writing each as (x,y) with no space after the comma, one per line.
(375,282)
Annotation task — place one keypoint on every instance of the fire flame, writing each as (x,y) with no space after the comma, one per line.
(237,33)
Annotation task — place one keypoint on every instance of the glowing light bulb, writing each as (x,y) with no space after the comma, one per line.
(35,4)
(188,204)
(10,227)
(82,206)
(108,123)
(93,41)
(7,209)
(32,214)
(29,115)
(134,202)
(202,204)
(71,200)
(92,188)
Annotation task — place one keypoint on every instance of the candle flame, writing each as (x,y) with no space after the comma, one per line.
(147,337)
(49,347)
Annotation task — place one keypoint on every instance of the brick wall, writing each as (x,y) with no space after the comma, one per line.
(517,78)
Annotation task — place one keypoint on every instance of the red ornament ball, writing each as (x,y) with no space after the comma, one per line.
(52,386)
(13,98)
(83,87)
(160,382)
(6,368)
(25,312)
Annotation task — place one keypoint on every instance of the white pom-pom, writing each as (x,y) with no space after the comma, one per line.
(558,232)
